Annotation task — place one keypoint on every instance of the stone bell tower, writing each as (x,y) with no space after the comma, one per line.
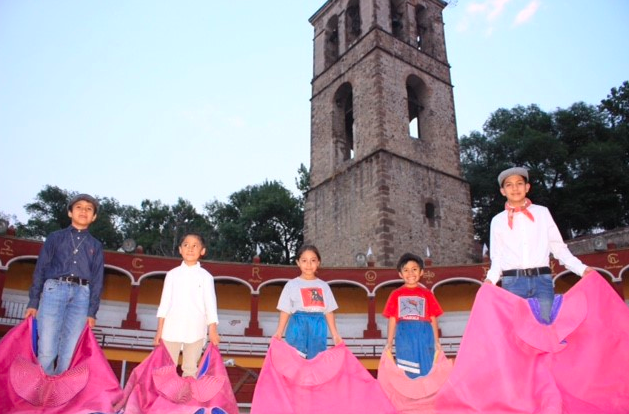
(385,170)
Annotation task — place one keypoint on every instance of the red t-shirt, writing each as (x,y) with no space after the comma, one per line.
(412,304)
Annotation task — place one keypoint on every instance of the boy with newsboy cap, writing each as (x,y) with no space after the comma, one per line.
(66,288)
(521,240)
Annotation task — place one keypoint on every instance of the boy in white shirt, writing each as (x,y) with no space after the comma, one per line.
(187,307)
(521,240)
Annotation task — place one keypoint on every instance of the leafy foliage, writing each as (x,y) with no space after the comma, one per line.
(108,224)
(266,217)
(303,181)
(48,213)
(577,159)
(158,227)
(616,106)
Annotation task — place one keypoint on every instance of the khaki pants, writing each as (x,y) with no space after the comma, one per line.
(191,355)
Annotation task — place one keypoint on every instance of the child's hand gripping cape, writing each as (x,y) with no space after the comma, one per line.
(155,387)
(334,382)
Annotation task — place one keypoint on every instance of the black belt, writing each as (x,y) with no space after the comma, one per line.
(534,271)
(74,279)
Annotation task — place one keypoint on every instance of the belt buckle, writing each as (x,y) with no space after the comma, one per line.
(73,279)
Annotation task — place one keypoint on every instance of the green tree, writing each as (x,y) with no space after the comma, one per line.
(303,180)
(157,227)
(577,158)
(185,219)
(616,106)
(145,225)
(266,216)
(107,227)
(616,109)
(596,170)
(48,213)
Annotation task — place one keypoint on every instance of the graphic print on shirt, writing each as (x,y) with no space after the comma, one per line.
(312,298)
(411,308)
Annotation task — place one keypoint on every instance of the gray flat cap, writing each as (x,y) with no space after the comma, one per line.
(83,197)
(513,171)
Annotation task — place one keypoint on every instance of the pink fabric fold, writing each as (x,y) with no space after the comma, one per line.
(155,387)
(31,383)
(510,363)
(550,338)
(89,385)
(412,395)
(334,382)
(181,390)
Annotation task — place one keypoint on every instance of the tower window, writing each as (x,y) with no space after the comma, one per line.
(430,211)
(352,21)
(343,123)
(421,26)
(349,130)
(417,98)
(398,16)
(331,41)
(414,110)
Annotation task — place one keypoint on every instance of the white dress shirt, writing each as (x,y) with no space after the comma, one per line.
(188,304)
(528,244)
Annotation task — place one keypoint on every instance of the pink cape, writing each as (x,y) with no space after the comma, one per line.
(412,395)
(155,387)
(334,382)
(510,363)
(89,385)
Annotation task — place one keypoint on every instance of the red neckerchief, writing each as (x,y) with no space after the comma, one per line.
(512,210)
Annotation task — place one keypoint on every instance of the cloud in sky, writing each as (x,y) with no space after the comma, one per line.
(489,13)
(495,9)
(527,13)
(475,8)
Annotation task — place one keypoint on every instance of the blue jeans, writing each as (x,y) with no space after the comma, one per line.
(61,317)
(539,287)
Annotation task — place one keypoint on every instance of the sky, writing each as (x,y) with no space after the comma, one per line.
(197,99)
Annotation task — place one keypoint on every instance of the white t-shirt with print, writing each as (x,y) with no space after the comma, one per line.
(306,296)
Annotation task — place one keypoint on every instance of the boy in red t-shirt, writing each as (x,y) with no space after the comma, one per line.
(412,311)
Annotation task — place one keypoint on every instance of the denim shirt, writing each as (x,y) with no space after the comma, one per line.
(58,258)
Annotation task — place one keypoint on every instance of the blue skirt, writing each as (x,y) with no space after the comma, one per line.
(414,347)
(308,333)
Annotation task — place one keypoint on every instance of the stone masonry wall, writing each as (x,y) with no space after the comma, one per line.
(381,203)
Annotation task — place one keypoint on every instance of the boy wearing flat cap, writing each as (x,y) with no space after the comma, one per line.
(521,240)
(66,288)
